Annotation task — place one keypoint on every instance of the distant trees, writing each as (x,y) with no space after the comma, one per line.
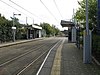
(50,30)
(6,29)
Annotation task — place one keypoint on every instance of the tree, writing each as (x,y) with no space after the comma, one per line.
(47,28)
(6,29)
(80,14)
(56,31)
(50,30)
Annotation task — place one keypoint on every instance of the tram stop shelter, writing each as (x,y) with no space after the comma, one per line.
(34,31)
(71,30)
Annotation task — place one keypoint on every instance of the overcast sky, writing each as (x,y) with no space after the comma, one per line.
(39,12)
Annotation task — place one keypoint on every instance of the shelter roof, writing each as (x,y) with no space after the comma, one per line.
(67,23)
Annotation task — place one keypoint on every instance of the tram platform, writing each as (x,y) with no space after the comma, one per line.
(68,60)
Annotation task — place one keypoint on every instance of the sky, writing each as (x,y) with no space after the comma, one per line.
(39,11)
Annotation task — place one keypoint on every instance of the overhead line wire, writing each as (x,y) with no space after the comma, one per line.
(14,8)
(9,5)
(57,8)
(48,10)
(24,9)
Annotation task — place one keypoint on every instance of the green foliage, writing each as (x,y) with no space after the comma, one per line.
(96,43)
(81,18)
(96,46)
(81,14)
(6,29)
(50,30)
(6,33)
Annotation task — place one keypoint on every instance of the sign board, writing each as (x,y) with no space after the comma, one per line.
(13,27)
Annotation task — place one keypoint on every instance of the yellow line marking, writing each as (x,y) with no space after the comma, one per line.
(57,61)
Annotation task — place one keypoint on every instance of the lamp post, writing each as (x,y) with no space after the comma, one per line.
(27,28)
(87,40)
(13,27)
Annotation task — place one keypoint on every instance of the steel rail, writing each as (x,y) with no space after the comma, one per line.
(20,72)
(46,58)
(15,58)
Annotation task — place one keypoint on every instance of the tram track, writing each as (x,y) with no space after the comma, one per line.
(32,55)
(18,55)
(15,52)
(15,58)
(46,53)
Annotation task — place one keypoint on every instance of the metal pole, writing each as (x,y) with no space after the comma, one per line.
(87,41)
(33,21)
(13,19)
(87,26)
(27,27)
(13,29)
(26,20)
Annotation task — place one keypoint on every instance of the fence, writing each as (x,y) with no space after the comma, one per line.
(96,45)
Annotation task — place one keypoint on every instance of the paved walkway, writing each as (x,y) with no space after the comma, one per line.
(72,62)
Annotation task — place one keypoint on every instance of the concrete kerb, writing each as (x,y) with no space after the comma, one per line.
(19,42)
(93,58)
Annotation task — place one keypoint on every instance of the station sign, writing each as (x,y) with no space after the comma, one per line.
(13,27)
(66,23)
